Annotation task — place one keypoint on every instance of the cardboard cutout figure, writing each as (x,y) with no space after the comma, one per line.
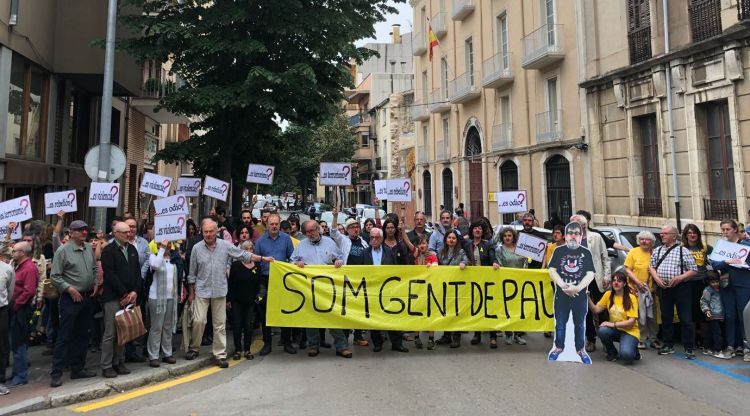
(572,269)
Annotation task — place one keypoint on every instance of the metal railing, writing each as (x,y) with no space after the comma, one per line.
(649,207)
(464,84)
(461,8)
(358,119)
(496,67)
(439,24)
(720,209)
(418,43)
(440,150)
(160,88)
(419,111)
(548,126)
(705,19)
(639,43)
(501,138)
(544,40)
(743,10)
(439,100)
(421,154)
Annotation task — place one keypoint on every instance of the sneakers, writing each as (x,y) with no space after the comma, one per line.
(611,358)
(746,355)
(520,340)
(3,390)
(641,345)
(656,344)
(666,350)
(689,355)
(431,344)
(709,352)
(590,346)
(418,343)
(508,340)
(724,355)
(585,359)
(554,354)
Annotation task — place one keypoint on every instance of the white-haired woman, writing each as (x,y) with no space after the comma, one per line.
(162,304)
(636,265)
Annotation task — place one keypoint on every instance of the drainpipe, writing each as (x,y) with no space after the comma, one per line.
(670,122)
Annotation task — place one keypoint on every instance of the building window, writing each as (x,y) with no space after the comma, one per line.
(705,19)
(639,30)
(27,109)
(365,140)
(469,57)
(502,42)
(424,87)
(79,136)
(548,7)
(448,189)
(444,78)
(713,119)
(508,182)
(427,188)
(650,204)
(552,107)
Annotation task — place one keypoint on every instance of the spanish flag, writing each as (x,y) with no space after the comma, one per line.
(432,40)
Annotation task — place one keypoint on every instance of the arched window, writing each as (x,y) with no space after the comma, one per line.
(427,189)
(508,182)
(448,189)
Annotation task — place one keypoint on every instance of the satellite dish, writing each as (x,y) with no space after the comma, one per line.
(116,163)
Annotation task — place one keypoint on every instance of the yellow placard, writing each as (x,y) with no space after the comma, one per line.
(443,298)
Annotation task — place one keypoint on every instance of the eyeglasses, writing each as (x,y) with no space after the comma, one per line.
(670,233)
(309,231)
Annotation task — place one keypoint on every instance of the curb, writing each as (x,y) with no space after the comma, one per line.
(105,388)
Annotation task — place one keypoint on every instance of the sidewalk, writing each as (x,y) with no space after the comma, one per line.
(38,395)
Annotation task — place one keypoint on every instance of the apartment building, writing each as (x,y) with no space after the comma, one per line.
(51,85)
(628,69)
(498,107)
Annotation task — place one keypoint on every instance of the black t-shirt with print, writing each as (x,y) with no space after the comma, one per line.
(572,265)
(356,253)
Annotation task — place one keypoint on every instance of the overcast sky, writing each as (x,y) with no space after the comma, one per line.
(382,29)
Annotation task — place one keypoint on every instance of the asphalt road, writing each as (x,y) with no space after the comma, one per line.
(469,380)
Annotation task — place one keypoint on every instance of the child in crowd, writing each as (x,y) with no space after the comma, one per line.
(714,311)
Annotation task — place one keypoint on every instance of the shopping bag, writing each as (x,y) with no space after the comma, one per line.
(129,324)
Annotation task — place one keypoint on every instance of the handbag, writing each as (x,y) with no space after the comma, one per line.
(129,324)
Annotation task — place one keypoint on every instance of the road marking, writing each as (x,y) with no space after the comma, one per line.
(721,369)
(119,398)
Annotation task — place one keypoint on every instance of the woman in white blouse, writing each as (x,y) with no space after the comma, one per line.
(162,305)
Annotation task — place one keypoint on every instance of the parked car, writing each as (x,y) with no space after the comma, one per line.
(327,216)
(369,213)
(625,235)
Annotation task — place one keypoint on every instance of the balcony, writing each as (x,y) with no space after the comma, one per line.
(743,10)
(501,139)
(363,153)
(422,154)
(440,153)
(496,71)
(543,47)
(705,19)
(639,43)
(418,43)
(461,9)
(439,102)
(719,209)
(419,111)
(464,88)
(548,126)
(650,207)
(360,120)
(439,24)
(152,91)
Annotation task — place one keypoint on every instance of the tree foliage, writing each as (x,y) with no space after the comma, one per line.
(248,63)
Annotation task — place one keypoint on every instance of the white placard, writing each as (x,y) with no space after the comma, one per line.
(173,205)
(65,201)
(262,174)
(725,250)
(104,195)
(156,185)
(381,189)
(511,201)
(15,210)
(399,190)
(216,188)
(336,174)
(169,227)
(188,186)
(17,232)
(531,247)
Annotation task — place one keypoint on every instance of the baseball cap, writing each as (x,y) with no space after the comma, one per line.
(78,225)
(350,222)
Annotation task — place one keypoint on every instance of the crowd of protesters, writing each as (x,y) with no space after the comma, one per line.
(60,287)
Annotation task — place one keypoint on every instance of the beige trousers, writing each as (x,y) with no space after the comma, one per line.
(219,319)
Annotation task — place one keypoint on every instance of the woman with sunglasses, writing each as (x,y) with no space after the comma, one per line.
(622,325)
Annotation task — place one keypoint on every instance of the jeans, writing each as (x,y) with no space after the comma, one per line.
(20,331)
(680,296)
(628,343)
(4,341)
(596,295)
(73,338)
(286,333)
(713,339)
(243,314)
(734,299)
(340,340)
(564,304)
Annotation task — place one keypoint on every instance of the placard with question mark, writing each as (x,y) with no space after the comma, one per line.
(262,174)
(216,188)
(335,174)
(15,210)
(104,194)
(66,201)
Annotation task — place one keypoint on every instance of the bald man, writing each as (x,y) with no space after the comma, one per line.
(27,278)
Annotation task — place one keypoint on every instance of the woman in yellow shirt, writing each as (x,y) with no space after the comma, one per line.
(636,265)
(622,326)
(558,239)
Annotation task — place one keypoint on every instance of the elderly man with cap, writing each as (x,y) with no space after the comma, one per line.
(7,284)
(74,273)
(317,249)
(353,247)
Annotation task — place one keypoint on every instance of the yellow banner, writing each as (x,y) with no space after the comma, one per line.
(442,298)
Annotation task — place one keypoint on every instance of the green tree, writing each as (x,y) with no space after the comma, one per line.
(245,65)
